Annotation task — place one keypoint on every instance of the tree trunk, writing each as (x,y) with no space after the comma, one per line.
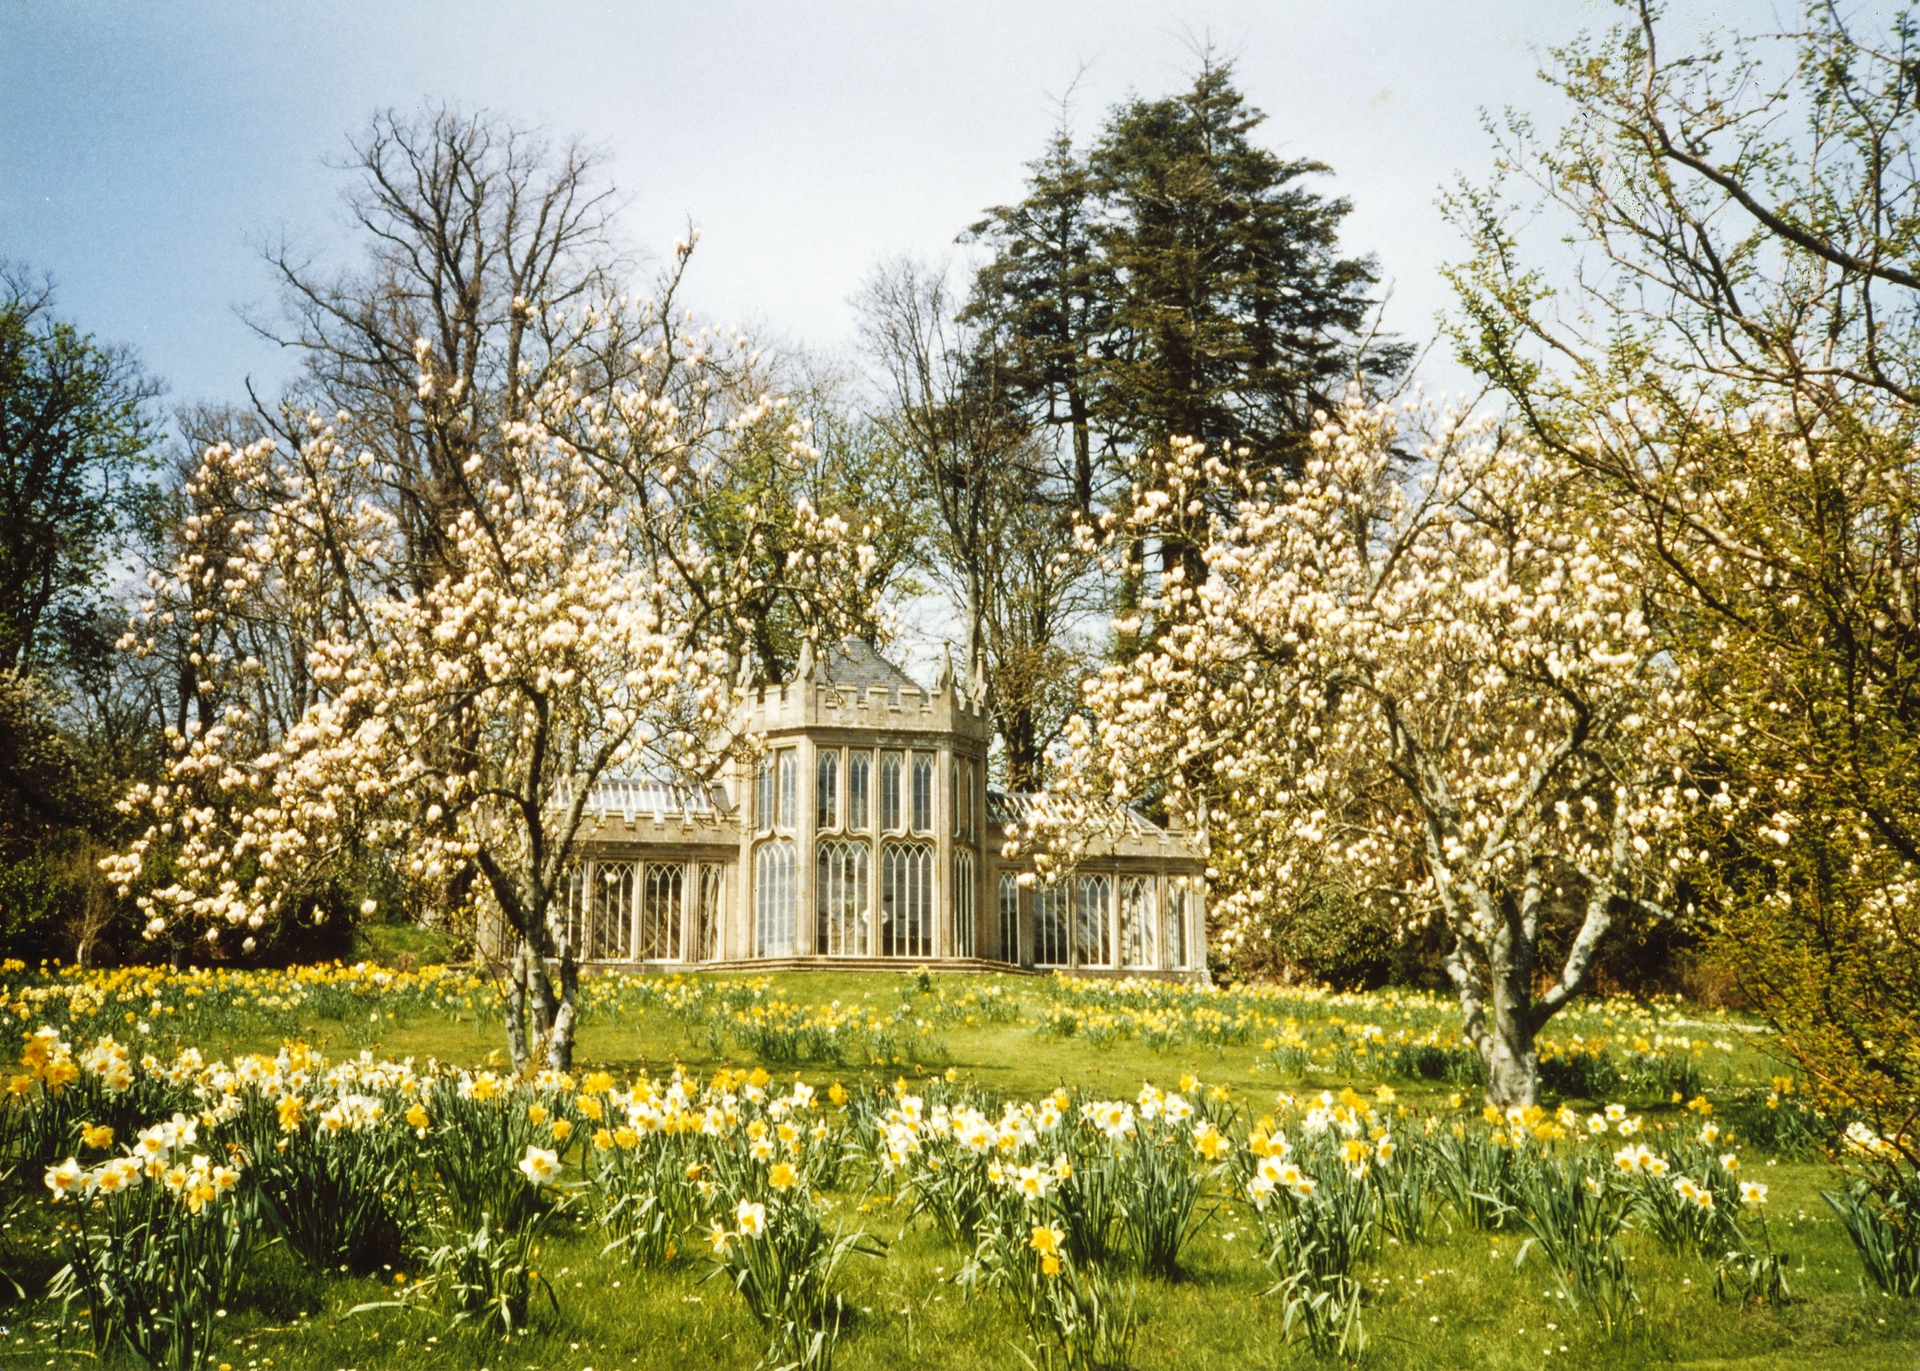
(1018,731)
(1513,1066)
(517,1008)
(540,989)
(560,1043)
(1507,1048)
(1497,1017)
(1082,452)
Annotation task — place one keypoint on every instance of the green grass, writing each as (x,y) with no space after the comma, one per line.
(402,945)
(1458,1301)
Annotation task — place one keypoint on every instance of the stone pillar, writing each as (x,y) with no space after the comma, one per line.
(943,851)
(1070,886)
(736,938)
(805,914)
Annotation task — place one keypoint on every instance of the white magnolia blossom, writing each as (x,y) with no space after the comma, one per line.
(574,626)
(1425,676)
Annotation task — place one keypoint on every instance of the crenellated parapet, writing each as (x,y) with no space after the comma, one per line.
(856,689)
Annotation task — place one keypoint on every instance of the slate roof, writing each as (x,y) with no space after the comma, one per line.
(853,664)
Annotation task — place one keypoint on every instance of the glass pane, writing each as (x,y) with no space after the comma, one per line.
(962,903)
(840,883)
(859,764)
(923,792)
(708,945)
(889,792)
(1050,925)
(660,913)
(1136,921)
(789,788)
(610,935)
(906,900)
(826,790)
(1177,899)
(773,899)
(763,796)
(1092,940)
(1009,917)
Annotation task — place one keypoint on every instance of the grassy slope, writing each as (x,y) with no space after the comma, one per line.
(1457,1302)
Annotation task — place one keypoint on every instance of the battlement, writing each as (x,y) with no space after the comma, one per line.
(854,688)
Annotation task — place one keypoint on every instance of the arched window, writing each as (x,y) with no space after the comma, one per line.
(1180,895)
(1050,925)
(906,900)
(1092,938)
(1136,921)
(773,899)
(1009,917)
(962,902)
(707,943)
(890,763)
(923,792)
(610,929)
(826,791)
(660,909)
(763,806)
(859,770)
(840,889)
(789,789)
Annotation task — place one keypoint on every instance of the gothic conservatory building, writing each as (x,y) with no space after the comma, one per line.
(866,834)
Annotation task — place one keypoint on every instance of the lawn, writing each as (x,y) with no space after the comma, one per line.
(1452,1295)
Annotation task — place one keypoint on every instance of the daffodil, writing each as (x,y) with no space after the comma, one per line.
(65,1178)
(540,1165)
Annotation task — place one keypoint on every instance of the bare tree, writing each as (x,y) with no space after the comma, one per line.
(1003,518)
(488,251)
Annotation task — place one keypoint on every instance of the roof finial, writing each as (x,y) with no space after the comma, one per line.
(945,679)
(804,671)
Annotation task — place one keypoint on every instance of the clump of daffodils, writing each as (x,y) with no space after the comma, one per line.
(195,1179)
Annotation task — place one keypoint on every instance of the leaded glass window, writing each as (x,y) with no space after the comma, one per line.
(890,765)
(774,897)
(962,902)
(1009,917)
(1050,925)
(1092,938)
(1136,921)
(826,791)
(859,771)
(923,792)
(906,900)
(840,893)
(660,911)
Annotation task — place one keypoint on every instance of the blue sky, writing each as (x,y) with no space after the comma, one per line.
(146,149)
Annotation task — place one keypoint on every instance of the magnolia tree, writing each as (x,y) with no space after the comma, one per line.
(1430,681)
(578,630)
